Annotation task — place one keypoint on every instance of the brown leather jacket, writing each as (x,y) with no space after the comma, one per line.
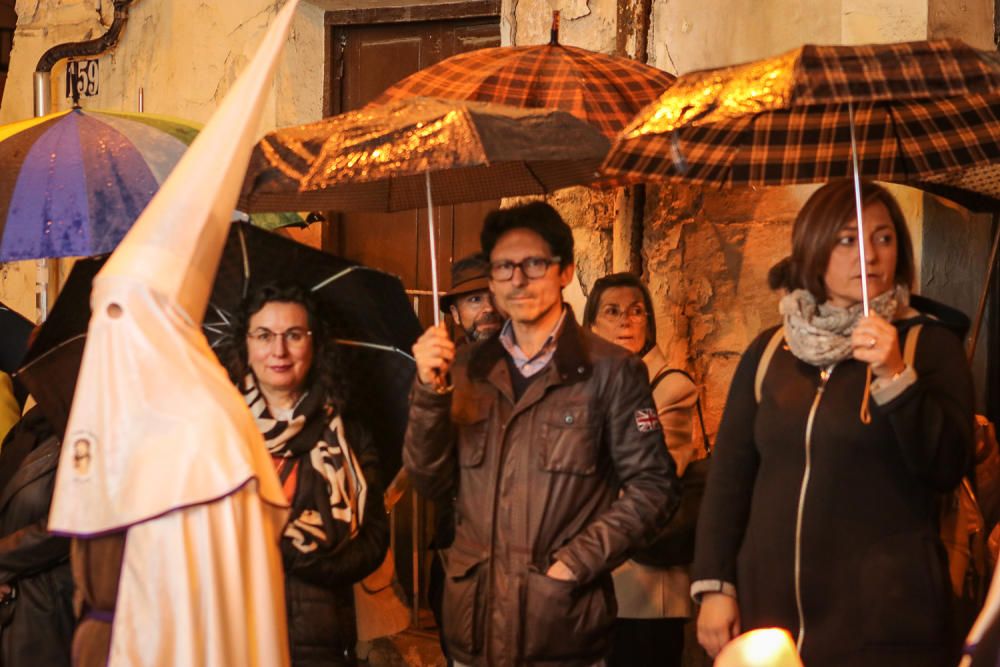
(565,473)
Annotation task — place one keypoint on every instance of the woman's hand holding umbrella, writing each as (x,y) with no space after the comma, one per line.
(876,342)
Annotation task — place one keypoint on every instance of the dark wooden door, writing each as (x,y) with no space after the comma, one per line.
(366,60)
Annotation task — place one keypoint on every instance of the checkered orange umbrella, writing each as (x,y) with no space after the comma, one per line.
(921,110)
(606,91)
(908,113)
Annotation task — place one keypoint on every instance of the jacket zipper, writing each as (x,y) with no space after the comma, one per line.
(824,377)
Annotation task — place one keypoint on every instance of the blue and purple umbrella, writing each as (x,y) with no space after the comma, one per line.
(72,183)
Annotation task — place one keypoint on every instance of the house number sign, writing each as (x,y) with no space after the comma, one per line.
(84,74)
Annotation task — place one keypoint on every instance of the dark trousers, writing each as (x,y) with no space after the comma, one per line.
(647,642)
(435,595)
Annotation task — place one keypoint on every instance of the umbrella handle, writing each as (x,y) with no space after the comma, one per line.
(857,203)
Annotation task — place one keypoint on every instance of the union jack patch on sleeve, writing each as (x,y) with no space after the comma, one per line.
(646,421)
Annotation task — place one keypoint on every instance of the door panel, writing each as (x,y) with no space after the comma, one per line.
(367,60)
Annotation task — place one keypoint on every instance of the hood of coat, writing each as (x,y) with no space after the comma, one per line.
(951,318)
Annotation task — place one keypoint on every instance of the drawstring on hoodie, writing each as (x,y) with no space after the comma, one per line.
(866,413)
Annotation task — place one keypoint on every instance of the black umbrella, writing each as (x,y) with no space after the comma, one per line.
(14,332)
(369,314)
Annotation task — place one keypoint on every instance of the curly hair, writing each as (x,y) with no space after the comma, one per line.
(326,366)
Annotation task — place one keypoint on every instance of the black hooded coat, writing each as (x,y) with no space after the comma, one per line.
(860,502)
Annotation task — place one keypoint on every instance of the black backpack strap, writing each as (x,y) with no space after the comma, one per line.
(697,404)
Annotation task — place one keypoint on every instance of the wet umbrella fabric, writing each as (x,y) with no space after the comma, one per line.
(921,109)
(72,183)
(377,158)
(367,309)
(605,91)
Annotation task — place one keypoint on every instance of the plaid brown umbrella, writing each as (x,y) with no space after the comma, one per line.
(395,157)
(376,158)
(921,109)
(606,91)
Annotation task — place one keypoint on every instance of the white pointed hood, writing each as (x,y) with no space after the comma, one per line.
(156,424)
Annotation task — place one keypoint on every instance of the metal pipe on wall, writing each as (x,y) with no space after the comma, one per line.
(45,271)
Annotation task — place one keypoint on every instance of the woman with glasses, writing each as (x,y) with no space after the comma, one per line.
(337,532)
(653,602)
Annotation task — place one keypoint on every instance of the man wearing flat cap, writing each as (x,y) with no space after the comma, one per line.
(469,300)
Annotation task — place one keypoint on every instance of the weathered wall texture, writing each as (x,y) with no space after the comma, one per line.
(184,54)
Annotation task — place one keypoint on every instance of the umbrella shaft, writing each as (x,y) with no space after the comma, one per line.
(857,201)
(432,244)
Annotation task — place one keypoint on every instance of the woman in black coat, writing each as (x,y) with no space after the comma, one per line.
(36,613)
(338,531)
(820,514)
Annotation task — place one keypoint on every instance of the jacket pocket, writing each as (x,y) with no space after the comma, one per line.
(903,591)
(464,608)
(570,439)
(471,419)
(563,620)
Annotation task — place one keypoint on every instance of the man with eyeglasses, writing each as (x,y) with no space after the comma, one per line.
(551,436)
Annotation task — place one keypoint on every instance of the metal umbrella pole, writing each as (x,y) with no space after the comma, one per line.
(857,201)
(433,249)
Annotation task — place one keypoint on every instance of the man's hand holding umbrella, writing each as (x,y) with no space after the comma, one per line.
(434,351)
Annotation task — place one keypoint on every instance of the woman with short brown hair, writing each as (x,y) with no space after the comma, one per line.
(820,511)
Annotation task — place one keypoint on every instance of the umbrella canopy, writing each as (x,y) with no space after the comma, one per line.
(376,158)
(369,315)
(72,183)
(606,91)
(14,332)
(921,110)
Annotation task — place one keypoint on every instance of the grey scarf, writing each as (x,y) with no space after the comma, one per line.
(820,333)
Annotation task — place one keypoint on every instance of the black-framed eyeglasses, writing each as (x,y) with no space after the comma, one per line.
(612,312)
(294,337)
(531,267)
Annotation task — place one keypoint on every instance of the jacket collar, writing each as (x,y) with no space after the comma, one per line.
(42,460)
(571,360)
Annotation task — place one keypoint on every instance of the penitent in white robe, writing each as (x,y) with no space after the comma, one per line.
(191,481)
(159,441)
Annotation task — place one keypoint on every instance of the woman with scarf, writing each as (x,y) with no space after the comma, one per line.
(337,532)
(653,602)
(820,513)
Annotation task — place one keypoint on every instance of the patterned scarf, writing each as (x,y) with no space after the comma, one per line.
(329,501)
(820,334)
